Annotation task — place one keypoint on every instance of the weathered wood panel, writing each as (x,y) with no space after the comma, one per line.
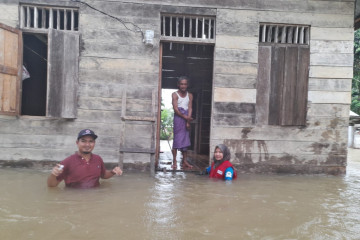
(276,83)
(136,157)
(289,163)
(246,146)
(302,82)
(13,154)
(99,89)
(114,76)
(225,27)
(234,95)
(330,72)
(99,116)
(10,69)
(236,42)
(238,120)
(9,14)
(221,67)
(263,85)
(109,49)
(330,47)
(234,55)
(239,17)
(344,7)
(99,103)
(234,81)
(234,107)
(330,59)
(289,87)
(332,34)
(332,133)
(329,110)
(325,84)
(126,65)
(44,126)
(63,74)
(329,97)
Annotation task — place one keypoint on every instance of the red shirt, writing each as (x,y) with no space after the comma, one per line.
(220,170)
(81,174)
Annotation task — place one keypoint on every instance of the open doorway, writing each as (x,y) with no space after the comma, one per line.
(196,62)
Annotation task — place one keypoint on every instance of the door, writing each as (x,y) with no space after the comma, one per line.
(10,69)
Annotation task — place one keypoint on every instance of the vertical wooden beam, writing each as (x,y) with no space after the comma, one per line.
(276,40)
(290,35)
(65,19)
(203,29)
(22,17)
(296,40)
(183,35)
(28,19)
(197,27)
(72,20)
(214,28)
(263,85)
(283,35)
(36,17)
(209,30)
(58,20)
(177,26)
(190,27)
(163,26)
(171,25)
(269,34)
(307,35)
(51,18)
(302,35)
(263,35)
(43,18)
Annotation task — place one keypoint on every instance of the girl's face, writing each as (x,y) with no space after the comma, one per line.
(218,154)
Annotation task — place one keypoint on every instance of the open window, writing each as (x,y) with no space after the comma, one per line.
(48,47)
(282,87)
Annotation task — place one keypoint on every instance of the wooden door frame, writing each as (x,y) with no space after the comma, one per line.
(157,145)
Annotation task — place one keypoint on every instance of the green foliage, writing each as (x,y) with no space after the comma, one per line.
(355,91)
(166,131)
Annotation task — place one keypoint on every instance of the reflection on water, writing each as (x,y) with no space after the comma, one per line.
(183,206)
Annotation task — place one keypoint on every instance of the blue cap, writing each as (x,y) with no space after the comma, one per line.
(86,132)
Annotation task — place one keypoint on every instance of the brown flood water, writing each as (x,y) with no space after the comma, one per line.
(183,206)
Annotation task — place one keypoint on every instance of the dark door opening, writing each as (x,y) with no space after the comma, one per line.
(196,62)
(34,88)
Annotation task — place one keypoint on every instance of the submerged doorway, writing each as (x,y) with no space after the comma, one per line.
(196,62)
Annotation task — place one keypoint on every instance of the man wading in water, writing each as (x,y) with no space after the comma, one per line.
(82,169)
(182,104)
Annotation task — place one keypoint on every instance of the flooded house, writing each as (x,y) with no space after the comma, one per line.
(271,79)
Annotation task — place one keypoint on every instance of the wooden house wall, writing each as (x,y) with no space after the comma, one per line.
(321,145)
(118,81)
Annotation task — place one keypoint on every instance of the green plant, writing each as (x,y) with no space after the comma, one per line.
(166,131)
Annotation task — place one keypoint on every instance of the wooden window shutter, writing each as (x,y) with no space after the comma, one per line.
(63,74)
(10,69)
(283,80)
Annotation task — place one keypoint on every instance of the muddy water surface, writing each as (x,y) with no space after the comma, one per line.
(183,206)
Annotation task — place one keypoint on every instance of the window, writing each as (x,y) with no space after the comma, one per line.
(49,50)
(188,28)
(282,87)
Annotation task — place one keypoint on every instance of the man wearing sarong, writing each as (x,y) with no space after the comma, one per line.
(182,104)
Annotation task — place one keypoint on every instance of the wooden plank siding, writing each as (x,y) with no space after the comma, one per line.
(118,85)
(330,73)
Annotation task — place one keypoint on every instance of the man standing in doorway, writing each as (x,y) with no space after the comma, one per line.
(182,104)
